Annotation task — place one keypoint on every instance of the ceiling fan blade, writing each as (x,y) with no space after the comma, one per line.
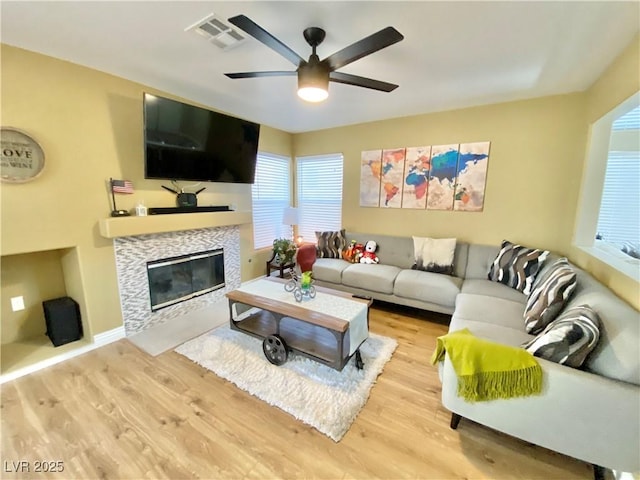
(349,79)
(256,31)
(366,46)
(235,76)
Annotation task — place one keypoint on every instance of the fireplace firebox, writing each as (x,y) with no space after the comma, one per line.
(176,279)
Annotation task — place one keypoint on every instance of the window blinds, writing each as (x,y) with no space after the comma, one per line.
(271,194)
(619,217)
(319,190)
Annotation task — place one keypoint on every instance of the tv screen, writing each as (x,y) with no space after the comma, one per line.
(184,142)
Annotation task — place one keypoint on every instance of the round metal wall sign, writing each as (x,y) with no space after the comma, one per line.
(21,159)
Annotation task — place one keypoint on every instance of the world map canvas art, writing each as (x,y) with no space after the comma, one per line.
(438,177)
(416,177)
(442,177)
(370,167)
(473,160)
(392,178)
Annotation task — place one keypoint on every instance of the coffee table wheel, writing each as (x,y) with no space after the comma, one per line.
(275,349)
(290,285)
(312,291)
(298,295)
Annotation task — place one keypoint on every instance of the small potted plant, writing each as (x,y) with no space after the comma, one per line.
(283,251)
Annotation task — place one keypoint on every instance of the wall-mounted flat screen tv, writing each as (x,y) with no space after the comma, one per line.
(184,142)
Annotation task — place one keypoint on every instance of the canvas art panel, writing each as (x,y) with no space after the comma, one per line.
(416,177)
(442,177)
(370,168)
(438,177)
(473,160)
(391,180)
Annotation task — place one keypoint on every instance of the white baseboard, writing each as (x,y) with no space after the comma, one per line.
(109,336)
(99,340)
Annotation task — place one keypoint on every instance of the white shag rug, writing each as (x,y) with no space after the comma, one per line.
(318,395)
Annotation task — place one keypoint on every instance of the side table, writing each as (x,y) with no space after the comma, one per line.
(272,265)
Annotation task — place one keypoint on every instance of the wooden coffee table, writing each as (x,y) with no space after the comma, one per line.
(329,328)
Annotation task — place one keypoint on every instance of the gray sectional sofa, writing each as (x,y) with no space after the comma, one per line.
(591,413)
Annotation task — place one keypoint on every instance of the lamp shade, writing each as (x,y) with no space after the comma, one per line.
(290,216)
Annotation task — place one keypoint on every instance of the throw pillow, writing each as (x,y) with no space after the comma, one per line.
(551,290)
(434,254)
(569,338)
(330,244)
(517,266)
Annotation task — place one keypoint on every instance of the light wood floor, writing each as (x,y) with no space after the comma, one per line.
(118,413)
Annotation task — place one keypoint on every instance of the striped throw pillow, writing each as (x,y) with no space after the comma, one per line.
(330,244)
(569,338)
(551,290)
(517,266)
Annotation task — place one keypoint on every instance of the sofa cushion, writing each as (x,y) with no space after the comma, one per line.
(616,355)
(427,287)
(374,277)
(569,338)
(460,259)
(479,260)
(492,310)
(330,244)
(551,290)
(492,289)
(517,266)
(397,251)
(434,254)
(496,333)
(329,269)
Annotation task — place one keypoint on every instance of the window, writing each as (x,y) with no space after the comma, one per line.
(619,218)
(608,223)
(271,194)
(319,189)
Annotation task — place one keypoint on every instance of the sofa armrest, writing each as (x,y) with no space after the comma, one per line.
(580,414)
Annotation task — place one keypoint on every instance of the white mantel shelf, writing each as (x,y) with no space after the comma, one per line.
(131,226)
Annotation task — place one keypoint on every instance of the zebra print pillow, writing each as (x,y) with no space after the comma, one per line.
(330,244)
(569,338)
(517,266)
(551,290)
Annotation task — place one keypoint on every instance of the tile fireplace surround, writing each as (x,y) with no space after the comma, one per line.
(133,253)
(137,240)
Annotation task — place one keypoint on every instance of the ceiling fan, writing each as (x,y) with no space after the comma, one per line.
(314,74)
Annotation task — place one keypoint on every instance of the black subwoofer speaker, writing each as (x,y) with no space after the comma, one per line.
(62,316)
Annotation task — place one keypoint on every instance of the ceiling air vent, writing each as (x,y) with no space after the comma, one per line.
(217,32)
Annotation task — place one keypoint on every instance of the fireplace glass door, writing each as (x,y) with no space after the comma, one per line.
(176,279)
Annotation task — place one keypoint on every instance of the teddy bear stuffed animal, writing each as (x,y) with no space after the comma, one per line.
(369,254)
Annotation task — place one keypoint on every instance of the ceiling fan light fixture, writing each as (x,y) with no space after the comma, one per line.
(313,83)
(313,94)
(314,75)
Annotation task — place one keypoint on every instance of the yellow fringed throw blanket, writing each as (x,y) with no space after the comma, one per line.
(488,370)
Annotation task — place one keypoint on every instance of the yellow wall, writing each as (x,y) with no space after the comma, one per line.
(89,125)
(532,183)
(616,84)
(534,176)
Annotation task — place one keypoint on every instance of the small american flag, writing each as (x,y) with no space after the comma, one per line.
(122,186)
